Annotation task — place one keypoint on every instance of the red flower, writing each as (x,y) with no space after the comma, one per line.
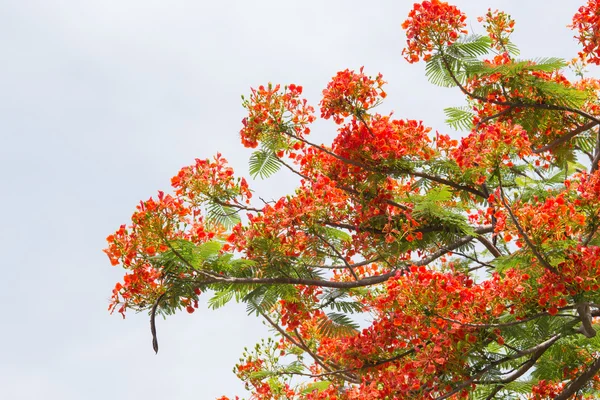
(430,26)
(587,22)
(351,93)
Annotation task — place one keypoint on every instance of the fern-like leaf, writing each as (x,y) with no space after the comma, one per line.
(459,118)
(335,324)
(263,163)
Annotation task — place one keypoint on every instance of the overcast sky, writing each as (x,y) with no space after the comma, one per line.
(101,102)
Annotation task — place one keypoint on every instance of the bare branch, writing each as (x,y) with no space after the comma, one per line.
(491,117)
(500,325)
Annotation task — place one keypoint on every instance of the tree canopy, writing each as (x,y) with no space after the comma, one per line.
(407,264)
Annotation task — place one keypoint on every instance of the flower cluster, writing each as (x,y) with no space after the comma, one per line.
(351,93)
(384,224)
(587,22)
(159,223)
(208,179)
(499,27)
(275,114)
(154,224)
(491,145)
(383,138)
(426,322)
(546,390)
(548,220)
(430,26)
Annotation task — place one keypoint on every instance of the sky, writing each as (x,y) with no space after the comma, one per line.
(102,102)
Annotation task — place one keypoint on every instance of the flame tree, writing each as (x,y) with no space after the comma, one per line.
(473,264)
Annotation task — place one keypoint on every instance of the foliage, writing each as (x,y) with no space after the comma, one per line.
(406,265)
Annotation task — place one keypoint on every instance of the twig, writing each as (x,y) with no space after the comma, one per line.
(542,106)
(564,138)
(335,250)
(490,117)
(521,231)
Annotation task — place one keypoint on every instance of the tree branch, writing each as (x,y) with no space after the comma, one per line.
(335,250)
(521,231)
(580,381)
(564,138)
(407,172)
(542,106)
(490,246)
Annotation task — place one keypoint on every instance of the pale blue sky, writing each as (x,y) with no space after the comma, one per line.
(103,101)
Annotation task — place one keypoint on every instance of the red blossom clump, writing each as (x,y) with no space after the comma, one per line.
(587,22)
(491,145)
(499,27)
(210,179)
(275,112)
(546,390)
(430,26)
(351,93)
(383,138)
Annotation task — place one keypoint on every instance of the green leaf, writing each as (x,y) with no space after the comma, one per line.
(260,374)
(335,324)
(348,307)
(459,118)
(263,163)
(319,386)
(437,194)
(472,45)
(436,73)
(222,215)
(209,250)
(586,142)
(220,298)
(338,234)
(512,48)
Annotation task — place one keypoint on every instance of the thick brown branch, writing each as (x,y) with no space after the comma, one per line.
(596,160)
(446,182)
(580,381)
(372,280)
(585,315)
(490,246)
(499,325)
